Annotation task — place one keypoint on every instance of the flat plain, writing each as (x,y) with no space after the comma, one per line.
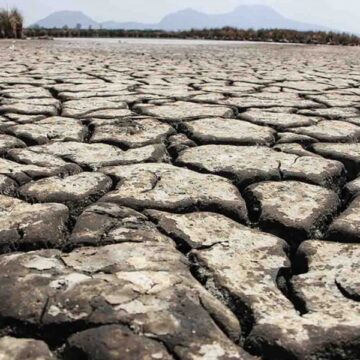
(179,201)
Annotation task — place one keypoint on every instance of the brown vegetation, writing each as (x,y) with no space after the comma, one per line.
(226,33)
(11,24)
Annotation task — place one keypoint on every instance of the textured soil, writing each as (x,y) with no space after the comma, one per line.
(179,202)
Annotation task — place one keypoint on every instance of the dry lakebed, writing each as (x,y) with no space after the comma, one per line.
(179,201)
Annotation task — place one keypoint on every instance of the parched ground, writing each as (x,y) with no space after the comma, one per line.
(179,202)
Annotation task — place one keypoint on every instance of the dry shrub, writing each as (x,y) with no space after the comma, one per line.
(11,24)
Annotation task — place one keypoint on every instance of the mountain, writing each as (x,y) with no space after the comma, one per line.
(71,19)
(247,16)
(256,16)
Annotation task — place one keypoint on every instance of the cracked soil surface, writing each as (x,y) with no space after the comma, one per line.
(179,202)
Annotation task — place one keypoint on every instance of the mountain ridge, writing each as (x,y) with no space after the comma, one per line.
(245,16)
(67,18)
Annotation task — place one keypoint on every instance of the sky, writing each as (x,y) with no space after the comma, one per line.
(337,14)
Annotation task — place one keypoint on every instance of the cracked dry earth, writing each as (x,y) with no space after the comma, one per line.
(179,202)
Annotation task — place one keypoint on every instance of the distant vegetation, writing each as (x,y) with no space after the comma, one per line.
(226,33)
(11,24)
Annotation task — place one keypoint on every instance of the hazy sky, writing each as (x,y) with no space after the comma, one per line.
(338,14)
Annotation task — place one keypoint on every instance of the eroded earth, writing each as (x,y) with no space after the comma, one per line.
(184,202)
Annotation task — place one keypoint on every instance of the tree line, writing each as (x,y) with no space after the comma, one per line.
(11,24)
(225,33)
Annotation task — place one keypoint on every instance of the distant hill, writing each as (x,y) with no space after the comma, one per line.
(245,17)
(71,19)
